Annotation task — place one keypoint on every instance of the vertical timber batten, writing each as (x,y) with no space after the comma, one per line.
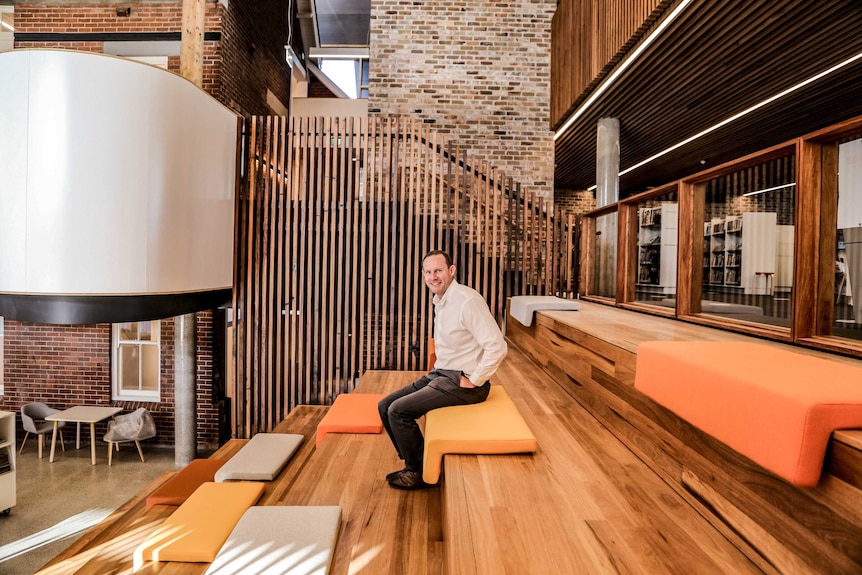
(333,220)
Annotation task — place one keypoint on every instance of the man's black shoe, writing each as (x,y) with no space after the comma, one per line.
(391,476)
(408,480)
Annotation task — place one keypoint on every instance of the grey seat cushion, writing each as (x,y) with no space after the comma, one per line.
(280,540)
(261,459)
(521,307)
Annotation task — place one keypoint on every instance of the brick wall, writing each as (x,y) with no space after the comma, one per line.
(238,68)
(95,17)
(65,366)
(477,70)
(575,201)
(317,89)
(102,18)
(254,59)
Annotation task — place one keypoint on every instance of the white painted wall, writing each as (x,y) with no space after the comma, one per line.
(117,178)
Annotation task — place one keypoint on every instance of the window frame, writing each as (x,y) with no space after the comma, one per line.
(629,211)
(7,37)
(818,162)
(587,250)
(118,393)
(815,217)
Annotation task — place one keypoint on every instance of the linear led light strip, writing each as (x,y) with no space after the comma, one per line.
(603,87)
(741,114)
(745,112)
(769,189)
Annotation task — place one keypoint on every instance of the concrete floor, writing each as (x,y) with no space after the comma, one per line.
(57,502)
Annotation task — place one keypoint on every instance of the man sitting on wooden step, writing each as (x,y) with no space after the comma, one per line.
(469,347)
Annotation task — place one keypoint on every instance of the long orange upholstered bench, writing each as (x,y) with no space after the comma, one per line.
(179,487)
(494,426)
(776,407)
(352,413)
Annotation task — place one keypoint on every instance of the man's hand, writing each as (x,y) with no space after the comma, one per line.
(465,382)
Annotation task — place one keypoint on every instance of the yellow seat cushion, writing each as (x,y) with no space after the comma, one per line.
(199,527)
(494,426)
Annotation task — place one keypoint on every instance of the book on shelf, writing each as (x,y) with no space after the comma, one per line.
(651,216)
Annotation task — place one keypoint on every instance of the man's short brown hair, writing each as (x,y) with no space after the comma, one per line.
(439,253)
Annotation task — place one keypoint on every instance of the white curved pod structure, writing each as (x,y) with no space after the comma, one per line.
(117,180)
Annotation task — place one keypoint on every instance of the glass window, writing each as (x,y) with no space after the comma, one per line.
(748,243)
(2,389)
(136,361)
(605,257)
(847,303)
(657,240)
(7,28)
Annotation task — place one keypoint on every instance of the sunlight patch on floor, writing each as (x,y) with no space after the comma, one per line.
(61,530)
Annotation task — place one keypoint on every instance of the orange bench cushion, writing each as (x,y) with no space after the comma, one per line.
(494,426)
(199,527)
(776,407)
(179,487)
(352,413)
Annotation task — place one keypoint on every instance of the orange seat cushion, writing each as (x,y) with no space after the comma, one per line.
(776,407)
(199,527)
(352,413)
(179,487)
(494,426)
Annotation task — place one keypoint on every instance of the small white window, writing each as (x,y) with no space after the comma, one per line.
(136,353)
(7,28)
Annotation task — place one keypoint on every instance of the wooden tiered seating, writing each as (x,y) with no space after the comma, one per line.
(582,503)
(109,546)
(592,354)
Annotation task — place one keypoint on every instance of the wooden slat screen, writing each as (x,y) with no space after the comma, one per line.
(333,218)
(587,38)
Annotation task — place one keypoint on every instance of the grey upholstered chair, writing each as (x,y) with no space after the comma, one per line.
(33,419)
(135,426)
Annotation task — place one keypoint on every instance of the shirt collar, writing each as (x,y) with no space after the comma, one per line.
(438,301)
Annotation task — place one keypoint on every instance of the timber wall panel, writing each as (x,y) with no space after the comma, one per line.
(587,37)
(334,216)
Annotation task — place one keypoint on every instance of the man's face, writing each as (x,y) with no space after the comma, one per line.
(436,275)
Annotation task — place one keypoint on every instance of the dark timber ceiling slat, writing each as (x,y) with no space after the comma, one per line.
(719,58)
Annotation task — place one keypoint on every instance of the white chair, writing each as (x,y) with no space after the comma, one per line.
(33,420)
(135,426)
